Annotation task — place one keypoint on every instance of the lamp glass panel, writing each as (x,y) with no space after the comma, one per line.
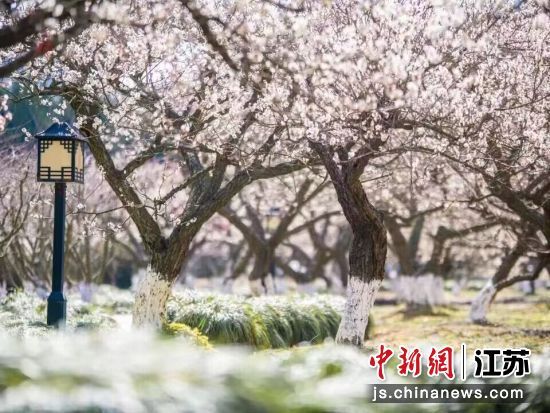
(273,222)
(79,161)
(56,160)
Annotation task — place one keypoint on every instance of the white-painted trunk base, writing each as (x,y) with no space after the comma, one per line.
(257,287)
(480,304)
(360,297)
(424,290)
(150,303)
(227,286)
(307,288)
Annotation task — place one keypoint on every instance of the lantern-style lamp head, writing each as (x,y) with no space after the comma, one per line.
(60,154)
(273,218)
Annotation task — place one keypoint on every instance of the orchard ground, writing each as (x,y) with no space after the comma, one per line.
(512,323)
(515,319)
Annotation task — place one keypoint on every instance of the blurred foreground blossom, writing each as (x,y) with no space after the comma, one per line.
(138,372)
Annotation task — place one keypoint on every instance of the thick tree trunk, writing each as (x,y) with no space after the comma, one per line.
(360,296)
(155,289)
(414,238)
(433,266)
(480,304)
(421,293)
(400,246)
(368,250)
(343,267)
(12,282)
(341,254)
(259,278)
(150,301)
(366,259)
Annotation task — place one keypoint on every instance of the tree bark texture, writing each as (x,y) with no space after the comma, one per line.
(481,303)
(367,256)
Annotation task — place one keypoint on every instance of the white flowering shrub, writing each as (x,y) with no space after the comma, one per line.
(111,299)
(262,322)
(24,314)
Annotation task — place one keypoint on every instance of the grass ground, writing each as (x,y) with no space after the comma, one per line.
(511,324)
(516,320)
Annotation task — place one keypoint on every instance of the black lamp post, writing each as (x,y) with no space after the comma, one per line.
(60,160)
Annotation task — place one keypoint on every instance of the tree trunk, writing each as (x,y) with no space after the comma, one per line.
(434,264)
(421,293)
(366,260)
(367,255)
(151,297)
(400,246)
(258,277)
(341,248)
(480,304)
(490,291)
(414,238)
(154,290)
(343,268)
(359,301)
(12,282)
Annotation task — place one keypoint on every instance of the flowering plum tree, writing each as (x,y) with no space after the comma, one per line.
(181,83)
(32,29)
(440,79)
(45,24)
(272,216)
(323,248)
(237,92)
(490,132)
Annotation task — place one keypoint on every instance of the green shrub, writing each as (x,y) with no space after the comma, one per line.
(191,334)
(262,322)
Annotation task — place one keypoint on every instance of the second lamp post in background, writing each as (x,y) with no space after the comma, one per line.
(272,221)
